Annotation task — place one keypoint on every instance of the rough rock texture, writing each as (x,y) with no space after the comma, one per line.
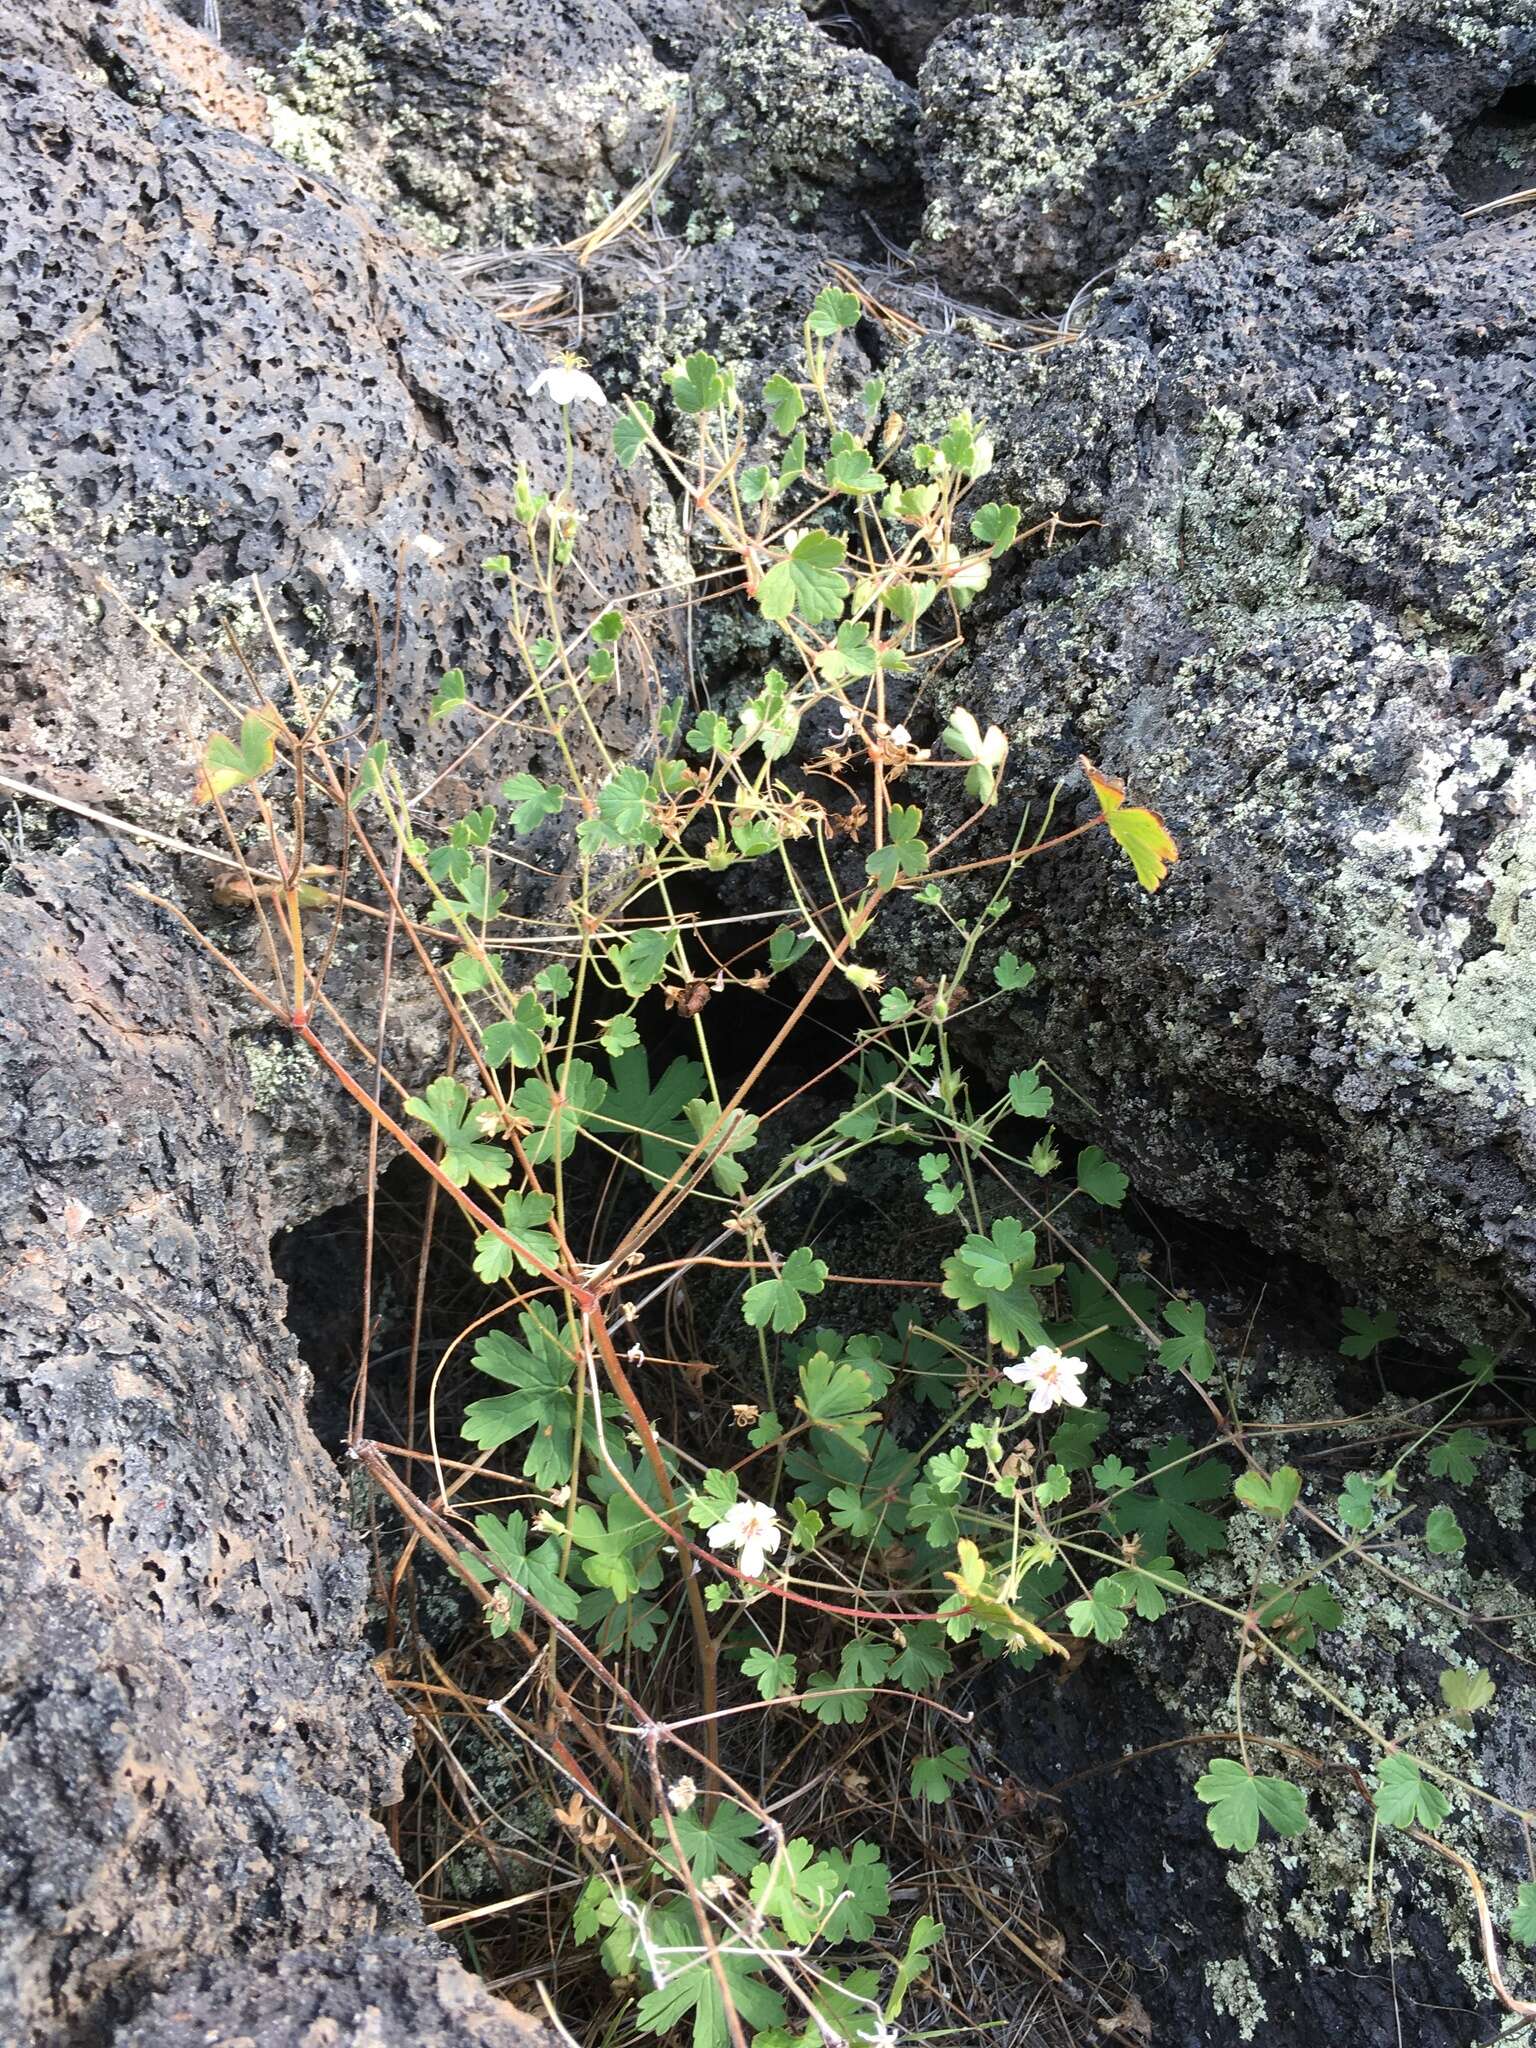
(1287,1944)
(384,1993)
(193,1734)
(478,123)
(790,127)
(238,373)
(1306,632)
(903,30)
(1052,138)
(148,56)
(223,369)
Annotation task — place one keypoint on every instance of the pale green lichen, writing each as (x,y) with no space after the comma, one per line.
(281,1072)
(337,107)
(30,503)
(1235,1994)
(786,115)
(1213,193)
(300,137)
(1035,127)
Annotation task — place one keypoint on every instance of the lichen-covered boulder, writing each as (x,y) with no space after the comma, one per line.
(477,124)
(1056,135)
(794,129)
(1305,631)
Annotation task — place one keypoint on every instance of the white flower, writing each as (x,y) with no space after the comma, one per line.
(682,1795)
(752,1528)
(568,385)
(898,736)
(1051,1377)
(635,1355)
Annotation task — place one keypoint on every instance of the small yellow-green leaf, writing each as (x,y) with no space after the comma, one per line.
(1273,1494)
(229,764)
(1140,834)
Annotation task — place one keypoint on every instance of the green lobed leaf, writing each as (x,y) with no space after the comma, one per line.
(630,430)
(1238,1800)
(808,582)
(525,1216)
(779,1303)
(1467,1692)
(1405,1798)
(1174,1507)
(786,407)
(1271,1494)
(534,801)
(1191,1350)
(773,1672)
(445,1107)
(1365,1333)
(832,311)
(934,1778)
(697,384)
(558,1114)
(1101,1612)
(723,1839)
(1459,1455)
(1100,1179)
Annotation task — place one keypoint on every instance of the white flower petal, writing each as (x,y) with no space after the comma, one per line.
(567,385)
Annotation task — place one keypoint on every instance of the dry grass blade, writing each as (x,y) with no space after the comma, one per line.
(544,288)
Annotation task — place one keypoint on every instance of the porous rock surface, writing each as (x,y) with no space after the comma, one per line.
(475,123)
(225,369)
(237,372)
(1054,135)
(379,1993)
(1300,415)
(1302,628)
(794,130)
(145,54)
(1305,631)
(193,1736)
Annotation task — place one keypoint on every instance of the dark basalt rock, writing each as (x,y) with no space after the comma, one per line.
(223,369)
(1305,631)
(479,125)
(194,1734)
(384,1992)
(235,371)
(792,129)
(1055,135)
